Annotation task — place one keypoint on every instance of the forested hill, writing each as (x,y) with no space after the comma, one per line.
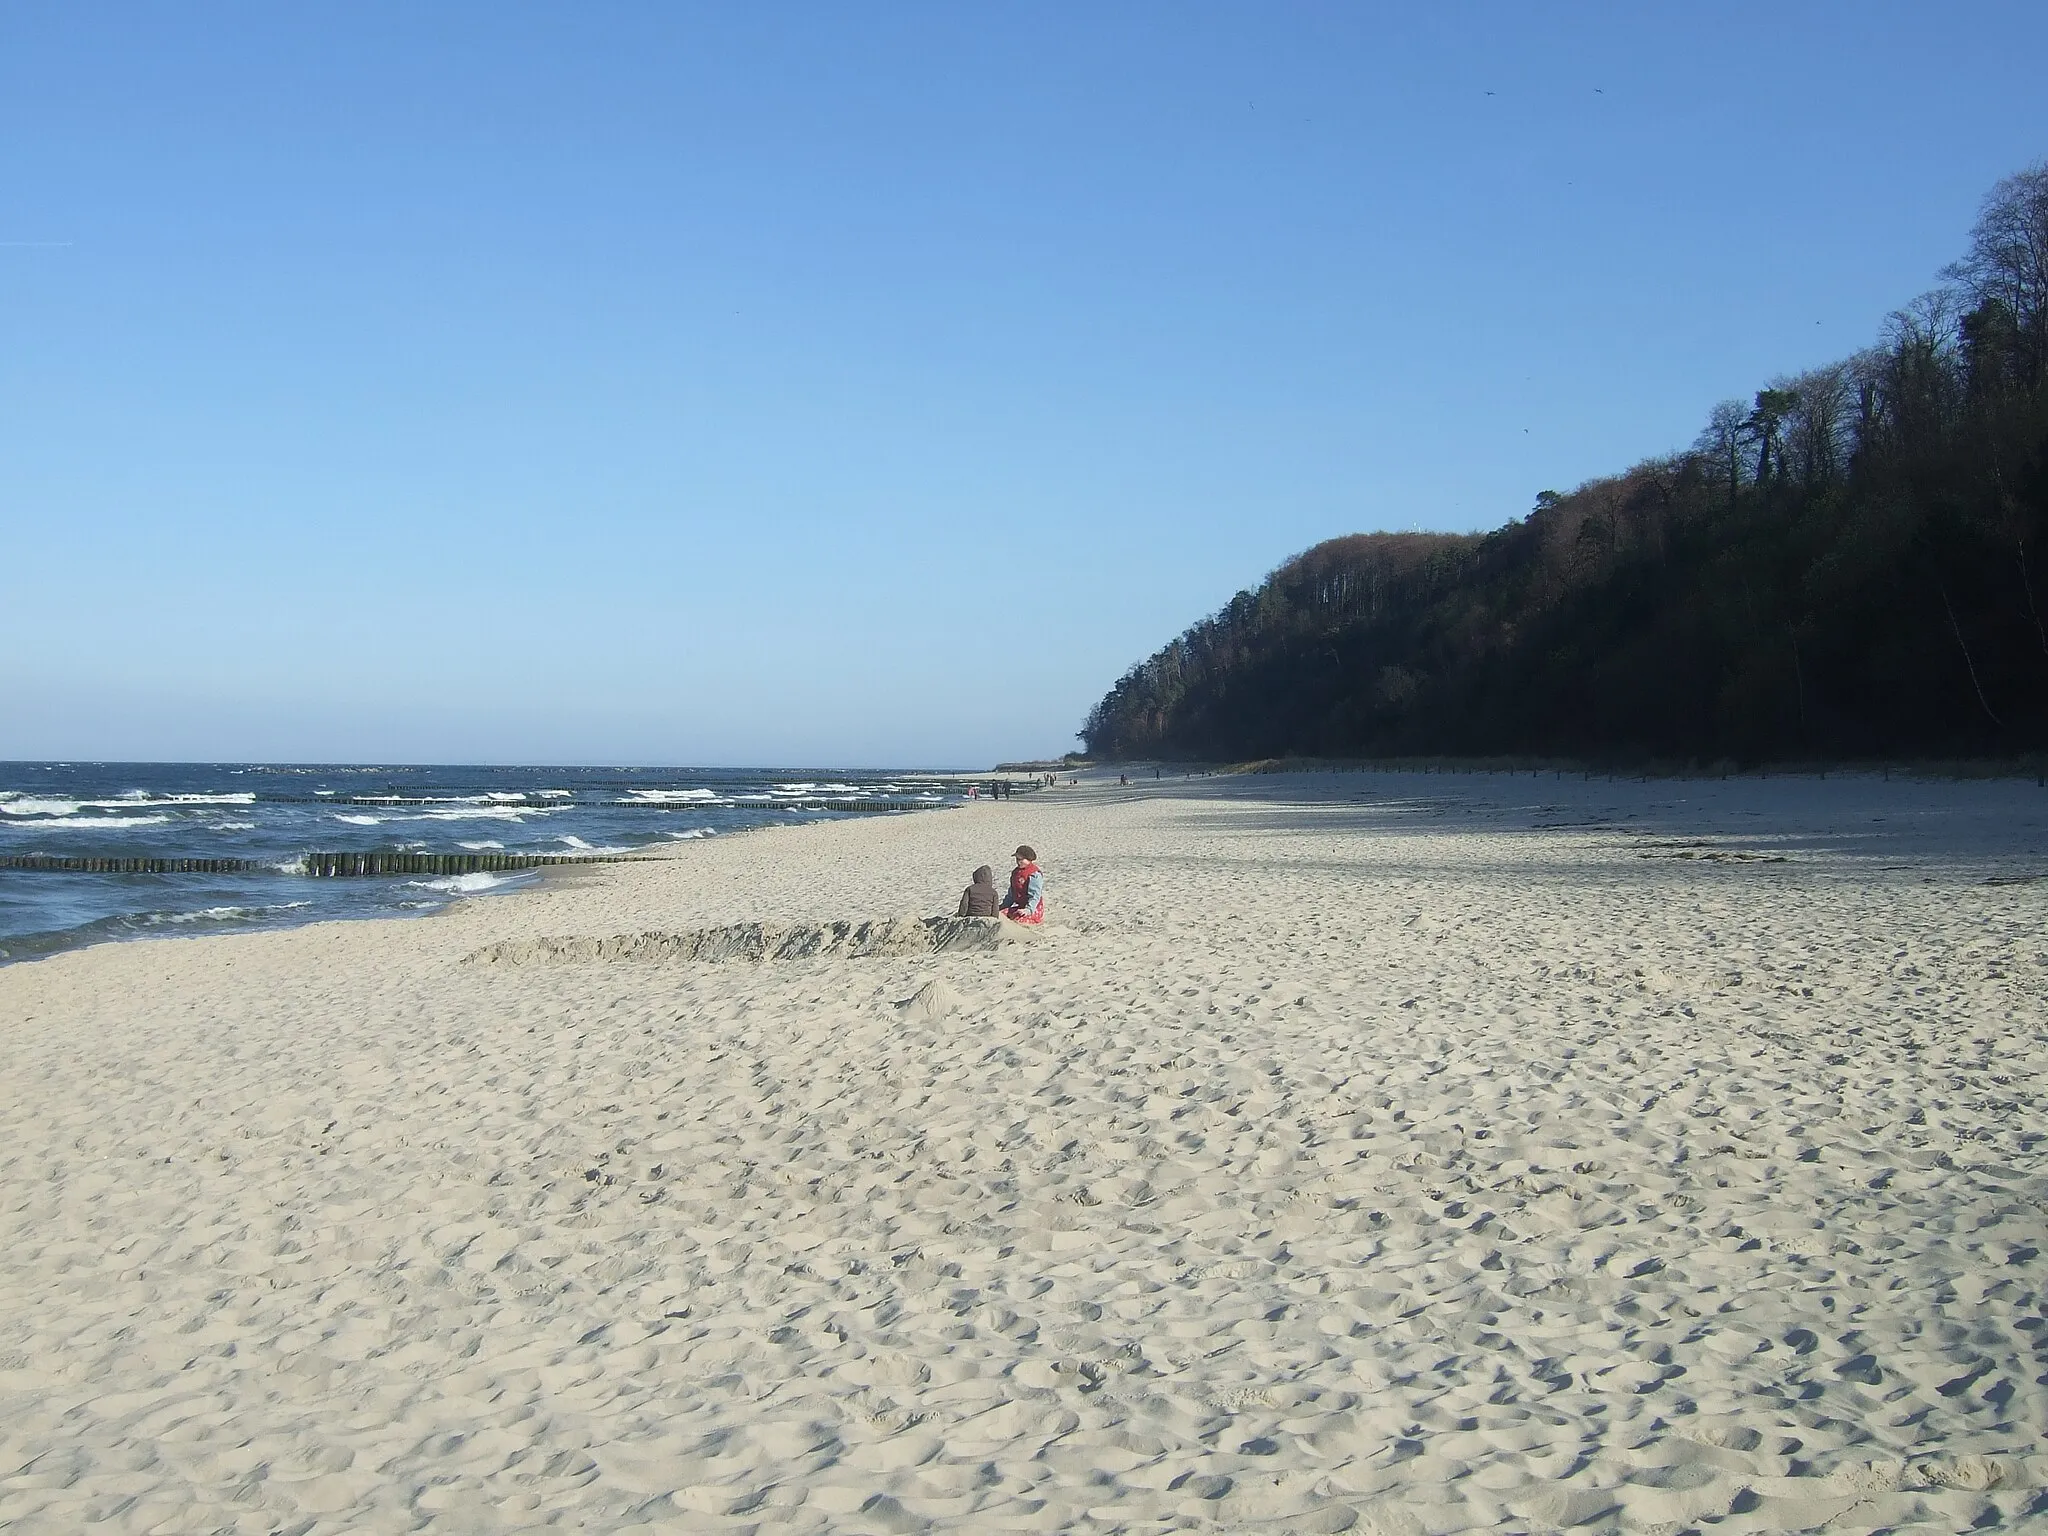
(1848,565)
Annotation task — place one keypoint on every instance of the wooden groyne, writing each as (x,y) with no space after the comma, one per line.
(50,863)
(368,863)
(338,866)
(375,862)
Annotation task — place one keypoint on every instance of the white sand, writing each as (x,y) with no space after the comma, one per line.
(1354,1152)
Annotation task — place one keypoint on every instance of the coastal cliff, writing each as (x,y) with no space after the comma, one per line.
(1847,565)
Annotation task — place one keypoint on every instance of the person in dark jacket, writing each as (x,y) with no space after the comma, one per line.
(981,899)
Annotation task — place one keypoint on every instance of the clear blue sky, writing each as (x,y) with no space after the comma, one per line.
(870,384)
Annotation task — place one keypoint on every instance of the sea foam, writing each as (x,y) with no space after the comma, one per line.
(463,885)
(86,821)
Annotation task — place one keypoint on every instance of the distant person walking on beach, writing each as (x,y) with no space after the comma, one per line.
(981,899)
(1026,901)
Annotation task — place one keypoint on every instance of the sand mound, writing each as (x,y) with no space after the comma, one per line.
(932,1001)
(761,941)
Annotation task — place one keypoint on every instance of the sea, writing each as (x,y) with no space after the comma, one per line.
(275,816)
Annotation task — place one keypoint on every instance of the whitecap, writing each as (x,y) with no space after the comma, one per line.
(683,837)
(362,821)
(89,821)
(669,796)
(462,884)
(481,847)
(231,826)
(135,799)
(218,914)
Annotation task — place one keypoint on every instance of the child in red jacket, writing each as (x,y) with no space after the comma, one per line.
(1026,902)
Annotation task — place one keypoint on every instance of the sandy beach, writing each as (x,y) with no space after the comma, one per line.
(1351,1152)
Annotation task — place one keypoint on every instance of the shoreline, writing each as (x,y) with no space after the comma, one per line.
(1927,770)
(1401,1154)
(28,948)
(1098,776)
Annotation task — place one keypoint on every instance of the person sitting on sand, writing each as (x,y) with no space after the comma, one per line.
(980,899)
(1026,901)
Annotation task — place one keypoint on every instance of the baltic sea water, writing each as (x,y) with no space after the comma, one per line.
(275,815)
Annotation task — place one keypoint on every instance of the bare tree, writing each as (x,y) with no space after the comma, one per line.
(1920,370)
(2006,271)
(1722,442)
(1814,434)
